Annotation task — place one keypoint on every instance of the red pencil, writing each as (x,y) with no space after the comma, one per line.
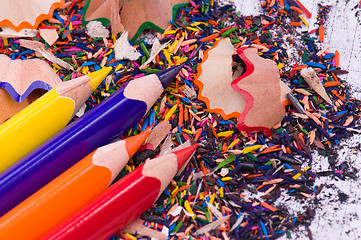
(124,201)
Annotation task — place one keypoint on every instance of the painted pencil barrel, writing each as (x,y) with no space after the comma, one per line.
(26,129)
(99,126)
(32,126)
(67,193)
(38,216)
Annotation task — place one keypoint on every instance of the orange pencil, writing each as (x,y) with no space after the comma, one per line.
(71,190)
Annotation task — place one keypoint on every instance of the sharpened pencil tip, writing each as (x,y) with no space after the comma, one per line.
(98,76)
(183,155)
(166,76)
(133,143)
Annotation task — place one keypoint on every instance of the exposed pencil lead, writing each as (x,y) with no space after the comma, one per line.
(296,104)
(98,76)
(184,155)
(166,76)
(134,142)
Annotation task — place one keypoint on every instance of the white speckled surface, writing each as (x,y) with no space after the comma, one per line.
(334,219)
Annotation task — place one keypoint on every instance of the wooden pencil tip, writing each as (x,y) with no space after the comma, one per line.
(167,75)
(98,76)
(133,143)
(183,155)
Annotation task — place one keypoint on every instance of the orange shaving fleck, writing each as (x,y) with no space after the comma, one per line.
(180,190)
(223,229)
(295,24)
(180,120)
(165,112)
(203,168)
(209,38)
(213,131)
(186,116)
(331,84)
(69,37)
(301,137)
(248,22)
(123,79)
(212,22)
(255,175)
(224,147)
(266,205)
(190,48)
(299,67)
(271,149)
(334,76)
(198,133)
(342,98)
(197,107)
(337,58)
(259,187)
(297,9)
(321,33)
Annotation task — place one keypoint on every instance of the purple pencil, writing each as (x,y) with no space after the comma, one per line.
(107,121)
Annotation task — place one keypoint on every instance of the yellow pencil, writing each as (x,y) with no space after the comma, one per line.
(45,117)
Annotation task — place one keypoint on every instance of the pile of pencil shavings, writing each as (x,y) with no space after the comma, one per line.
(237,183)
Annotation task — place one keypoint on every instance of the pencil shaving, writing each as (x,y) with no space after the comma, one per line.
(148,14)
(137,227)
(96,29)
(27,14)
(106,12)
(40,48)
(156,48)
(207,228)
(314,82)
(8,32)
(158,134)
(123,49)
(215,83)
(49,35)
(21,77)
